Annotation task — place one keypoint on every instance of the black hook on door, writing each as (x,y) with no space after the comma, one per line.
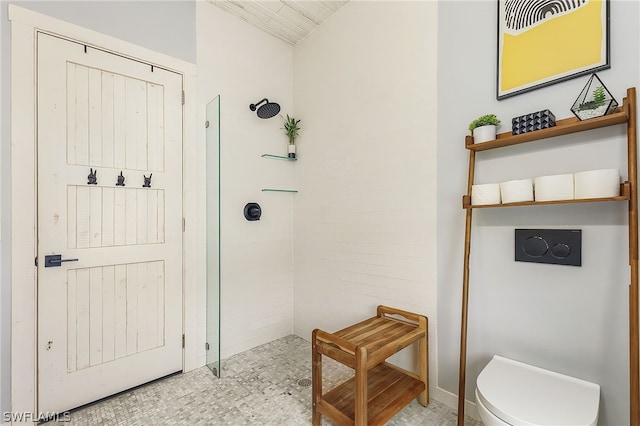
(120,180)
(93,180)
(147,181)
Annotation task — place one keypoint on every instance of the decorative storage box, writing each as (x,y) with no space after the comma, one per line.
(533,121)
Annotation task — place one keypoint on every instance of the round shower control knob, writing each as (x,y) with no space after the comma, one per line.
(252,212)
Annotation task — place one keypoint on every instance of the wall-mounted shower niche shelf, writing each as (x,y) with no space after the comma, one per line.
(278,157)
(278,190)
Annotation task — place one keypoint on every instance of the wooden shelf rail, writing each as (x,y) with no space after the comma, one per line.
(565,126)
(625,194)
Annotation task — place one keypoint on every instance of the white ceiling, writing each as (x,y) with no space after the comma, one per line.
(289,20)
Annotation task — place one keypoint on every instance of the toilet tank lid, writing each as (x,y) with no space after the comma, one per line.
(521,394)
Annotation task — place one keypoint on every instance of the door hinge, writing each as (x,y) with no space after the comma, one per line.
(206,346)
(183,97)
(206,124)
(36,261)
(183,340)
(184,224)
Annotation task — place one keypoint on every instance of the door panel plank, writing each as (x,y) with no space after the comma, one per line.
(107,120)
(120,310)
(143,307)
(83,202)
(151,318)
(141,125)
(95,216)
(95,316)
(132,308)
(108,313)
(136,124)
(119,122)
(71,217)
(131,216)
(71,113)
(95,117)
(161,302)
(142,226)
(108,198)
(81,119)
(155,101)
(119,217)
(72,311)
(82,318)
(161,223)
(152,216)
(133,111)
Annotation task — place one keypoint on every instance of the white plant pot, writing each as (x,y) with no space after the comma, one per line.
(292,150)
(484,133)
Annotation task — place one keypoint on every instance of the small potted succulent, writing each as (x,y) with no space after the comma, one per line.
(484,128)
(291,129)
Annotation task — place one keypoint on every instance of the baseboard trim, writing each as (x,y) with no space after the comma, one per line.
(451,400)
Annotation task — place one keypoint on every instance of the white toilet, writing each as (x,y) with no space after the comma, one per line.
(513,393)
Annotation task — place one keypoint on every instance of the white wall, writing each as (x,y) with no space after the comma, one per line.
(365,225)
(5,286)
(568,319)
(166,27)
(243,65)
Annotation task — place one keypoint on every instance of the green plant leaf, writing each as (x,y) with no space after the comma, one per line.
(291,128)
(485,120)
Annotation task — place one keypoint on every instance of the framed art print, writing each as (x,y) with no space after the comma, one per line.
(542,42)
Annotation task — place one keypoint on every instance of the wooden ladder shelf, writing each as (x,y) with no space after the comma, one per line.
(625,114)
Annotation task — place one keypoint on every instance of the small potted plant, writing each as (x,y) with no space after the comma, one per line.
(484,128)
(291,129)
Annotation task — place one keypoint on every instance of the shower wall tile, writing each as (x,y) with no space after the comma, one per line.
(365,216)
(256,257)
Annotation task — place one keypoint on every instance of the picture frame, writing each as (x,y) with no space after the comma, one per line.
(541,43)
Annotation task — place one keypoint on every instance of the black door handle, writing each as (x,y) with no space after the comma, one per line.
(52,260)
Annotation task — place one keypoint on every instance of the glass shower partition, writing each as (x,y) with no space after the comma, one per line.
(213,234)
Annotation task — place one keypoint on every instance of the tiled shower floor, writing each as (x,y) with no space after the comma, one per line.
(258,387)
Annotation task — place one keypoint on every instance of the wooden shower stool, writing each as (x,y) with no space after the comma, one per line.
(379,389)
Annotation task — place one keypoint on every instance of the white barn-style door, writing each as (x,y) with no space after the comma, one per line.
(112,319)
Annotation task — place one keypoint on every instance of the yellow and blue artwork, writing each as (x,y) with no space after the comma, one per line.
(542,42)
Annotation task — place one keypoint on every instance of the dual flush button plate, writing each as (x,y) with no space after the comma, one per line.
(556,246)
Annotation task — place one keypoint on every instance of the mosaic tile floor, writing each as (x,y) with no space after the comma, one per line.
(258,387)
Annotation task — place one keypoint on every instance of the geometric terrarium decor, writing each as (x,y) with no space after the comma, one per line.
(594,100)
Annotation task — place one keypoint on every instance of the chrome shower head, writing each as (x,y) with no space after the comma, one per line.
(268,110)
